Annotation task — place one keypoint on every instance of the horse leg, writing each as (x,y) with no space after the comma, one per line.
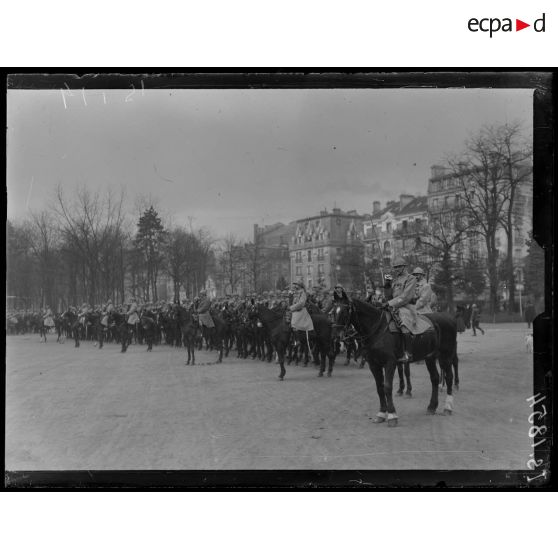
(281,358)
(435,380)
(401,378)
(331,359)
(388,390)
(455,364)
(445,365)
(220,347)
(407,369)
(348,355)
(378,374)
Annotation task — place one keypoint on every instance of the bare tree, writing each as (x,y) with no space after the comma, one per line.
(229,263)
(442,241)
(92,229)
(490,171)
(21,273)
(44,243)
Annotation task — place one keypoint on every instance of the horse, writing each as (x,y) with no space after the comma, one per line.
(383,347)
(94,328)
(216,335)
(118,323)
(148,327)
(188,331)
(279,331)
(72,325)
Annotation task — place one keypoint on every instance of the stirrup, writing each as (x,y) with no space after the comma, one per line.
(405,358)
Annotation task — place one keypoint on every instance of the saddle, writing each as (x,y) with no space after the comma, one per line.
(395,324)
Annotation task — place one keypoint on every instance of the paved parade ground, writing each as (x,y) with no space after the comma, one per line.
(87,408)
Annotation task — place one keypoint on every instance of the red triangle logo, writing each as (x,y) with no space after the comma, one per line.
(519,25)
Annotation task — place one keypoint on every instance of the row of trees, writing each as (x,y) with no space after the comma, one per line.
(87,248)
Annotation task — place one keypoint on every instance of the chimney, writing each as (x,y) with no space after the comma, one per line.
(405,199)
(377,206)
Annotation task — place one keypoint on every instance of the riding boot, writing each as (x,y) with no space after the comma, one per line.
(407,348)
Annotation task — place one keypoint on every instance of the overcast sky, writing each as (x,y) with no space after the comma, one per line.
(232,158)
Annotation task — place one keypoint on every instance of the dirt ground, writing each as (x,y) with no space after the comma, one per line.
(87,408)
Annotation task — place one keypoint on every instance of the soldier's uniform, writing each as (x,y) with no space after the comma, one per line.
(132,313)
(424,295)
(47,318)
(301,319)
(401,304)
(202,308)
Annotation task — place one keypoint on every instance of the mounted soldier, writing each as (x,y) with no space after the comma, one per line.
(402,308)
(202,307)
(424,295)
(300,319)
(132,313)
(107,309)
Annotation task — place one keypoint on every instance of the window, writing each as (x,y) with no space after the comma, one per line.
(309,257)
(320,254)
(388,227)
(298,270)
(309,270)
(309,283)
(320,269)
(404,226)
(299,257)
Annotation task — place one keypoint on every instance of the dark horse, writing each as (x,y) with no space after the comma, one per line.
(72,325)
(188,330)
(119,326)
(383,349)
(280,334)
(279,331)
(148,325)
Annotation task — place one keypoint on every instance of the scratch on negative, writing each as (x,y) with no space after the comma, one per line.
(380,453)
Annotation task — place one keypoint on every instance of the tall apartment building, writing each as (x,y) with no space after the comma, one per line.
(272,244)
(392,231)
(446,203)
(328,248)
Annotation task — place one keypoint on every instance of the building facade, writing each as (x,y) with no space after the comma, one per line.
(393,231)
(328,248)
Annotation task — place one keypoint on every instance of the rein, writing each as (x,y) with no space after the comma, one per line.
(363,338)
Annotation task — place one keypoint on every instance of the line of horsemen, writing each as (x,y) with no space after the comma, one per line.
(405,295)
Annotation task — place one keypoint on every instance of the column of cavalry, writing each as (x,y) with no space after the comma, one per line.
(388,331)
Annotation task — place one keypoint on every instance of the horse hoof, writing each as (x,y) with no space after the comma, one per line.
(447,412)
(329,374)
(408,395)
(400,393)
(320,374)
(431,411)
(392,422)
(281,378)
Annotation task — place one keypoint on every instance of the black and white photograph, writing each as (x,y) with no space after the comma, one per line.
(275,274)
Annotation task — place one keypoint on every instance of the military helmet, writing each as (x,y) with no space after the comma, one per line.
(418,271)
(399,261)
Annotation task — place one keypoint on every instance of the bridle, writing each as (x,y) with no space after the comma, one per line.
(350,331)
